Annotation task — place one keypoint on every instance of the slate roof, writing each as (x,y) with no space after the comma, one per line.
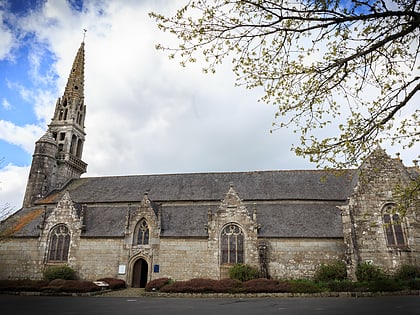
(259,185)
(288,203)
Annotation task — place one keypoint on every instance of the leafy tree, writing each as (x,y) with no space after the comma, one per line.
(316,60)
(349,66)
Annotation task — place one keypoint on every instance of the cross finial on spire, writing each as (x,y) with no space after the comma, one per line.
(84,34)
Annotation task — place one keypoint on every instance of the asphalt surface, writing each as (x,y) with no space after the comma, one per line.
(395,305)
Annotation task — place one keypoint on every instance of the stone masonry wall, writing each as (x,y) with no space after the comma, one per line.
(183,259)
(363,226)
(99,258)
(19,259)
(299,258)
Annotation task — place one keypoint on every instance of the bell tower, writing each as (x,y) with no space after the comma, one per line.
(58,154)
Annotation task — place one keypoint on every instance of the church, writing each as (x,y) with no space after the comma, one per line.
(197,225)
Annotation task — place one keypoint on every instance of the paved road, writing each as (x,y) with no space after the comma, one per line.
(395,305)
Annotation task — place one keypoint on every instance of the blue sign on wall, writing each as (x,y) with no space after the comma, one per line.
(156,268)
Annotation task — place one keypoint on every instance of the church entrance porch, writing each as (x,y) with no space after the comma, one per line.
(140,272)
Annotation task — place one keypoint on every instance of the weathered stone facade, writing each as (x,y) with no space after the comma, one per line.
(183,226)
(363,223)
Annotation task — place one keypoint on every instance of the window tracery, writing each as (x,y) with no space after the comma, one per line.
(232,244)
(59,244)
(393,226)
(142,232)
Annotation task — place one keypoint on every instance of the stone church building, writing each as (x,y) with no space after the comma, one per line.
(183,226)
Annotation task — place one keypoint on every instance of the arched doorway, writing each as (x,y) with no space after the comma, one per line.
(140,271)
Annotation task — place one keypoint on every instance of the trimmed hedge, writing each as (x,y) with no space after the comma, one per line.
(22,285)
(74,286)
(59,272)
(114,283)
(243,272)
(157,284)
(329,272)
(266,286)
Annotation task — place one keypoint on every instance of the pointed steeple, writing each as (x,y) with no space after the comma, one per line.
(70,107)
(68,123)
(63,140)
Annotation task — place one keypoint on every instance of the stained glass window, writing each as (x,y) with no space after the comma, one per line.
(232,244)
(59,243)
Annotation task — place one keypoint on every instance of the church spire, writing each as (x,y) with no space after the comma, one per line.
(70,107)
(58,154)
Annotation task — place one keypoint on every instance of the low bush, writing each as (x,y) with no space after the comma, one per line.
(367,273)
(385,284)
(70,286)
(228,286)
(243,272)
(200,285)
(114,283)
(59,272)
(340,286)
(22,285)
(407,272)
(157,284)
(304,286)
(266,286)
(413,284)
(197,285)
(333,271)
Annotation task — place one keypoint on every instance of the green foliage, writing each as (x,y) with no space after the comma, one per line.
(341,286)
(59,272)
(407,272)
(333,271)
(243,272)
(413,284)
(367,272)
(304,286)
(315,60)
(386,284)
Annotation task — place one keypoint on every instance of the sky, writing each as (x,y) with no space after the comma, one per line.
(145,113)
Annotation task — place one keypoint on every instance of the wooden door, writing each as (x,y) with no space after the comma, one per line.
(140,271)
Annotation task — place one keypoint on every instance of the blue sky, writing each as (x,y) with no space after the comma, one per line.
(145,113)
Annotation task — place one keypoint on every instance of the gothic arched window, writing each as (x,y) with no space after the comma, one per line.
(394,231)
(59,243)
(142,232)
(232,244)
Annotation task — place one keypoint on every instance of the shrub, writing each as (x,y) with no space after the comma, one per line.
(368,272)
(22,285)
(157,284)
(200,285)
(190,286)
(333,271)
(243,272)
(413,284)
(341,286)
(59,272)
(386,285)
(76,286)
(304,286)
(407,272)
(228,286)
(114,283)
(266,286)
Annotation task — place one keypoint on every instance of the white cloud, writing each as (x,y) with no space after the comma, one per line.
(22,136)
(12,185)
(7,41)
(5,104)
(145,113)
